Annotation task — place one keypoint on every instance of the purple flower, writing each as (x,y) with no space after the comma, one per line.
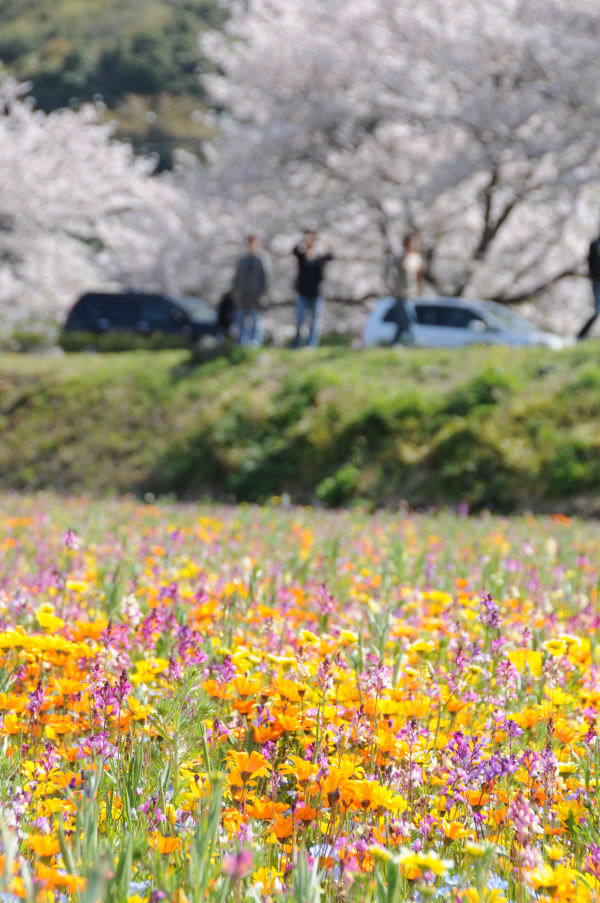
(378,677)
(70,540)
(238,865)
(123,688)
(523,818)
(226,670)
(325,675)
(48,758)
(489,612)
(268,750)
(325,601)
(35,701)
(175,669)
(592,863)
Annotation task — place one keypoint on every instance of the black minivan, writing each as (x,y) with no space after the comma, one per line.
(142,313)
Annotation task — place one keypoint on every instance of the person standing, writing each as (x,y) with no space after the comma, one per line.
(406,274)
(250,286)
(309,300)
(594,271)
(226,315)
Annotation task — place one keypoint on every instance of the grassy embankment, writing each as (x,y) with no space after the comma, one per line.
(500,427)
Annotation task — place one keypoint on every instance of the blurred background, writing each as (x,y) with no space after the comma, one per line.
(139,144)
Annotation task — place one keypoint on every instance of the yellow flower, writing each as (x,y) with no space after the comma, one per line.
(269,880)
(570,807)
(552,879)
(521,658)
(423,646)
(556,647)
(47,619)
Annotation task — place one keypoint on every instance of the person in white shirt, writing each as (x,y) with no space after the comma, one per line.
(406,278)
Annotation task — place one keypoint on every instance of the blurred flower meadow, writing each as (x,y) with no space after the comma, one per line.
(250,704)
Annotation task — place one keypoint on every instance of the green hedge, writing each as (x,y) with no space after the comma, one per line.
(120,341)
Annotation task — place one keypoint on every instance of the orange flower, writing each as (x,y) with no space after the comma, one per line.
(336,781)
(247,767)
(17,887)
(265,809)
(359,794)
(305,813)
(52,878)
(288,721)
(164,844)
(245,687)
(44,845)
(289,690)
(453,830)
(214,689)
(265,732)
(283,827)
(304,771)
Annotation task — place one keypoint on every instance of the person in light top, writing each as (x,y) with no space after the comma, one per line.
(406,278)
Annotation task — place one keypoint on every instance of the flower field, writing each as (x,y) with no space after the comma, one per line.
(253,704)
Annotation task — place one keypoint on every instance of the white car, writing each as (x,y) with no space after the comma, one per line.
(452,322)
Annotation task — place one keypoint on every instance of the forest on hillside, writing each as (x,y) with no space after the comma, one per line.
(141,59)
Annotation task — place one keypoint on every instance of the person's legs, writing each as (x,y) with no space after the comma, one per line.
(400,317)
(587,326)
(242,325)
(589,323)
(596,288)
(316,310)
(255,330)
(300,317)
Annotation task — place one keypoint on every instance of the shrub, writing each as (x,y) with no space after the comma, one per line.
(573,466)
(340,487)
(120,341)
(487,388)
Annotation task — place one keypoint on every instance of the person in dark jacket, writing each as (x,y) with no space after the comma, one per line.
(594,271)
(250,286)
(226,315)
(309,300)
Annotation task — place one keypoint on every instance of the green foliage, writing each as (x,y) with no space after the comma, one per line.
(203,866)
(340,487)
(471,469)
(179,722)
(306,883)
(572,465)
(508,428)
(118,341)
(74,51)
(35,337)
(487,388)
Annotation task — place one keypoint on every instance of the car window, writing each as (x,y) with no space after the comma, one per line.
(120,311)
(155,310)
(462,317)
(506,319)
(197,308)
(87,304)
(430,314)
(445,315)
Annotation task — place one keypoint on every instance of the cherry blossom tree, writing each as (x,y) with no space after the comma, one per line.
(78,210)
(476,123)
